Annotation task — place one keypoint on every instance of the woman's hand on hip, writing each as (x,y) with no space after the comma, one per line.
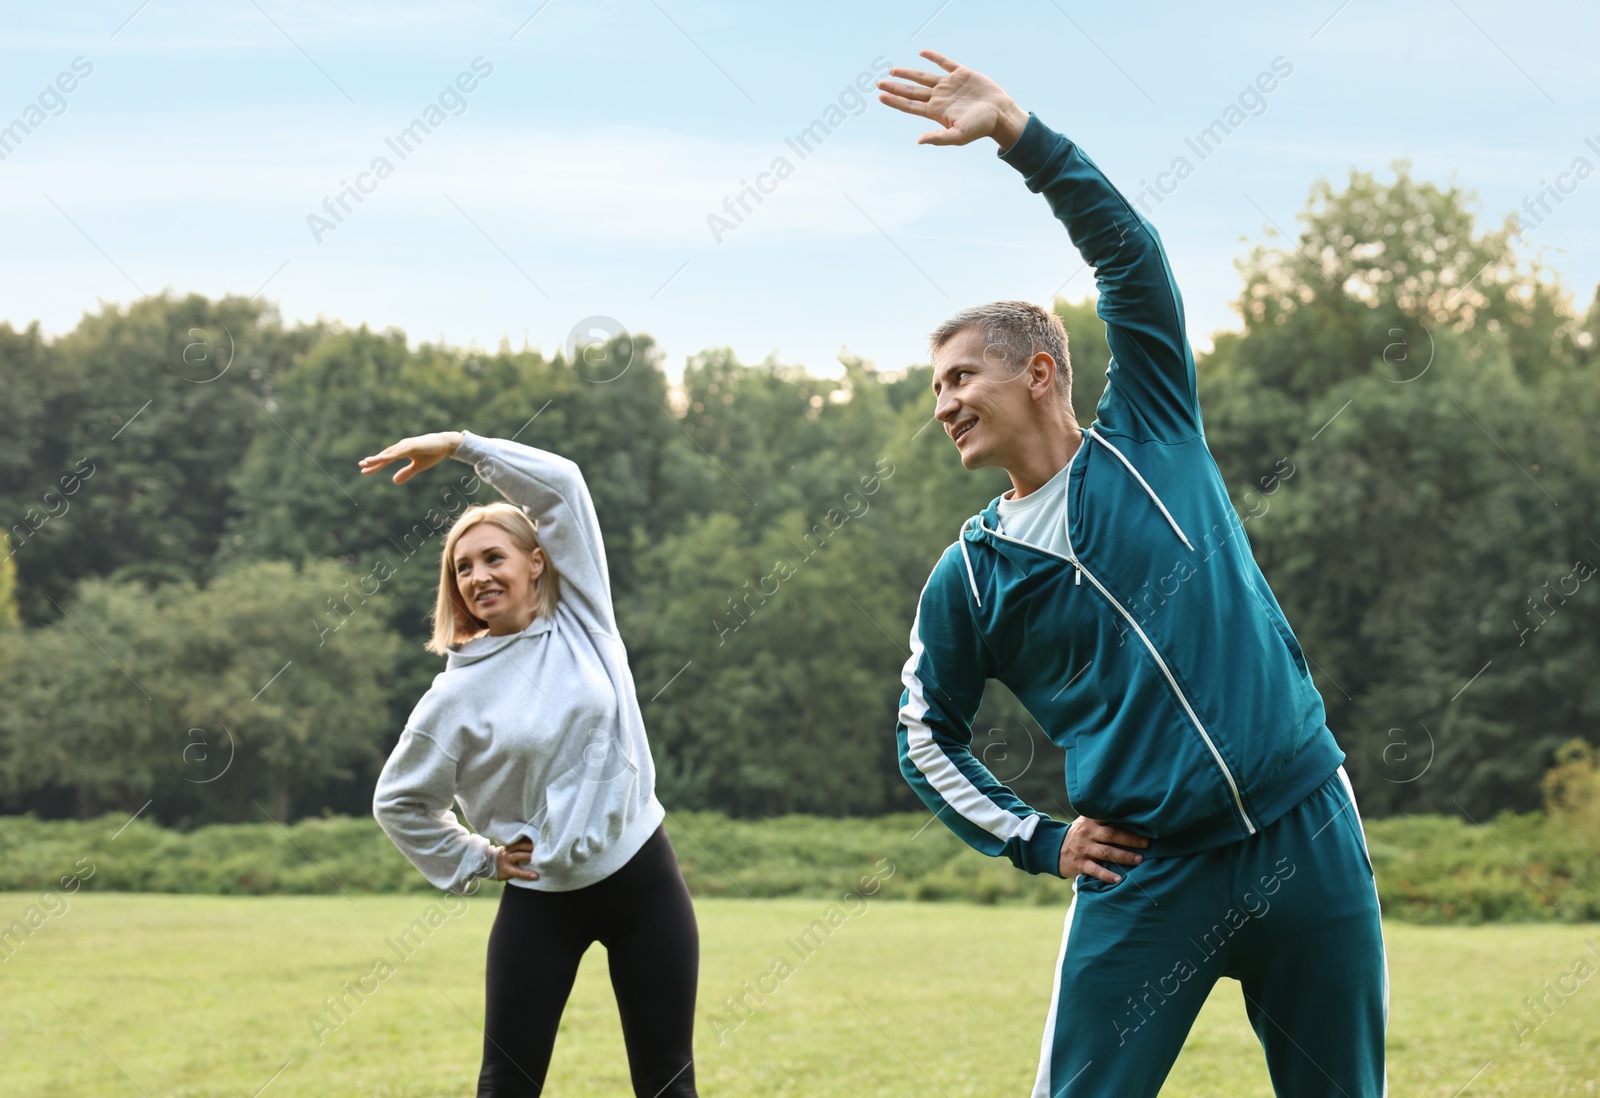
(423,452)
(511,861)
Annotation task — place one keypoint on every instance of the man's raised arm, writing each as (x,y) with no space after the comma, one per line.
(1152,378)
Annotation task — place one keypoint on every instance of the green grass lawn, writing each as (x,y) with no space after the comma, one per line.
(209,995)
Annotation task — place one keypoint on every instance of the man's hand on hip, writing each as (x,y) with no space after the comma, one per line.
(1086,842)
(966,103)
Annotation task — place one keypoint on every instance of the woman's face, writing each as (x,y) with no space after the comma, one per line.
(497,579)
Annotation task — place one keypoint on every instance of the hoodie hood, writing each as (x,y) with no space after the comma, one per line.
(485,645)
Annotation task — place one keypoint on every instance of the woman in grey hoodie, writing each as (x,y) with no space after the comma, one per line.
(534,728)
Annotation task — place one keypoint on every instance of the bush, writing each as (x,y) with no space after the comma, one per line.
(1430,869)
(1527,867)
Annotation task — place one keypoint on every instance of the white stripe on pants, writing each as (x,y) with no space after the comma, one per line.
(1041,1082)
(1354,808)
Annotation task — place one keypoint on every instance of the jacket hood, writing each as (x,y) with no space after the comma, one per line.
(983,526)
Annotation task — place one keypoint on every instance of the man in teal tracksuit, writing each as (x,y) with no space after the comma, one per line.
(1114,592)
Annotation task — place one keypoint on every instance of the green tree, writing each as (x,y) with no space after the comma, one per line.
(1089,354)
(267,683)
(88,706)
(1401,421)
(289,668)
(121,436)
(8,586)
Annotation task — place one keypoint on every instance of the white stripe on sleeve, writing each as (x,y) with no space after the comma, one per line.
(931,761)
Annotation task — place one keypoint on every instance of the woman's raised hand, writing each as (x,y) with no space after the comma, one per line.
(423,451)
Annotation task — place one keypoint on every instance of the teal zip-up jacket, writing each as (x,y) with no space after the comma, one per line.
(1154,652)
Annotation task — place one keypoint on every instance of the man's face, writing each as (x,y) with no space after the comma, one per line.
(983,404)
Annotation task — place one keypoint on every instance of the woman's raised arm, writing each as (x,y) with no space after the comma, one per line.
(549,488)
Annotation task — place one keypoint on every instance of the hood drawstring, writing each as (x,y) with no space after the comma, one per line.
(962,538)
(1092,433)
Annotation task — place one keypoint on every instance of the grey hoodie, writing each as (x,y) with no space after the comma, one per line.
(536,733)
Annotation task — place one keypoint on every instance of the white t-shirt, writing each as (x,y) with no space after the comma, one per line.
(1039,518)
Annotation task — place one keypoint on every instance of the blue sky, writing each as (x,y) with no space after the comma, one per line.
(578,176)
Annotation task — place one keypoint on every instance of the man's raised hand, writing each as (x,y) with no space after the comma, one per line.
(966,103)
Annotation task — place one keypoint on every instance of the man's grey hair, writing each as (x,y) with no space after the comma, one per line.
(1013,332)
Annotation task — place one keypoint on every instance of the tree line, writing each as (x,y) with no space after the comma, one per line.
(207,613)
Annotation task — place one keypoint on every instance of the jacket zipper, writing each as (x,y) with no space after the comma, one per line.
(1233,786)
(1066,532)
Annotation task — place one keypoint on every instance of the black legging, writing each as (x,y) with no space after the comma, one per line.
(643,916)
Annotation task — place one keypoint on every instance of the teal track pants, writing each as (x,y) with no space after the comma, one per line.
(1291,913)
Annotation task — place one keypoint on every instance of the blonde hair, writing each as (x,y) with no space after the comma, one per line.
(453,622)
